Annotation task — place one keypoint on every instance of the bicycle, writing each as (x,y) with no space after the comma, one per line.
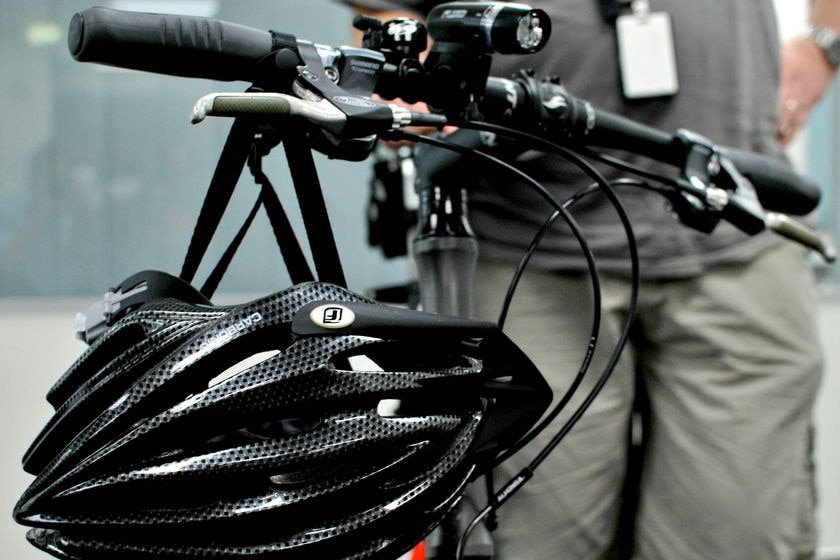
(138,410)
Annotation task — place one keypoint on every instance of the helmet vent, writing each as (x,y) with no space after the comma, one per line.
(241,366)
(363,362)
(389,408)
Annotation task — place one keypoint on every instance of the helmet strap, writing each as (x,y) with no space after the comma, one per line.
(246,143)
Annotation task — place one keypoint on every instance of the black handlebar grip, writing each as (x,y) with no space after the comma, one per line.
(779,187)
(188,46)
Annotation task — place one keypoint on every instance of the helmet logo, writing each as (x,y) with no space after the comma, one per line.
(332,316)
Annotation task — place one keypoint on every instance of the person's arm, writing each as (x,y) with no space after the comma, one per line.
(806,71)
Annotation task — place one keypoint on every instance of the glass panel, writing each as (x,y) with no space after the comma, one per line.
(102,175)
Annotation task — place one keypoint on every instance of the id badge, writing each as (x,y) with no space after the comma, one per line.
(646,55)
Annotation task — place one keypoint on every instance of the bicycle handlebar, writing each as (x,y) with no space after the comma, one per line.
(188,46)
(577,122)
(332,89)
(779,187)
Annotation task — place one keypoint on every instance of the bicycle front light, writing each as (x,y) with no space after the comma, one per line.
(500,27)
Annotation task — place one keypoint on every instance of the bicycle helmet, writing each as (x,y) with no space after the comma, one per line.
(312,423)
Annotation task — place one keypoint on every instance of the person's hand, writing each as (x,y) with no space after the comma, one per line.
(805,75)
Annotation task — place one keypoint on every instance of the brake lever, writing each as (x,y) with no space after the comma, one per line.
(794,230)
(745,212)
(267,104)
(711,188)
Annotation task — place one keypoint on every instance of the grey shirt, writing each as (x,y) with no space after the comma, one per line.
(727,59)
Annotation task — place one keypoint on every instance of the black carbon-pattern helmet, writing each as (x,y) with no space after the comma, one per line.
(312,423)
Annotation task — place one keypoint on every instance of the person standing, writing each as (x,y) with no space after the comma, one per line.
(724,346)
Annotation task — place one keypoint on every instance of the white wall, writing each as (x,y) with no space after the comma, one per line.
(36,346)
(828,437)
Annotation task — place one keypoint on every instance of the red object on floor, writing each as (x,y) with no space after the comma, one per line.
(419,551)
